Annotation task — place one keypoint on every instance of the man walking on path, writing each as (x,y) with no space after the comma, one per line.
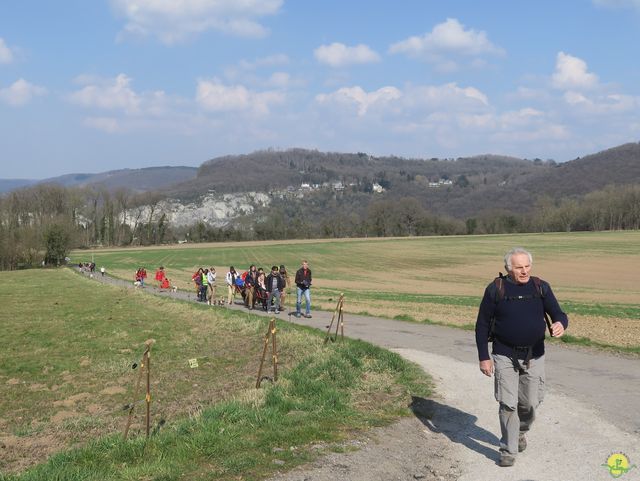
(303,283)
(275,285)
(512,314)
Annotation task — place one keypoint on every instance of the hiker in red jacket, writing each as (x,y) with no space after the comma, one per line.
(160,276)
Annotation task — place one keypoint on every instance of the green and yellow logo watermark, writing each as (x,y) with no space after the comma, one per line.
(618,464)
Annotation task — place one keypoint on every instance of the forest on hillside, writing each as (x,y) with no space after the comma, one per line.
(41,224)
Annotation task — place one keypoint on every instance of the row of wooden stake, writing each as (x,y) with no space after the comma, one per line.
(269,338)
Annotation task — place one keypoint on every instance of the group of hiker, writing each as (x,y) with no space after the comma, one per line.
(140,277)
(87,267)
(90,268)
(162,279)
(204,280)
(256,286)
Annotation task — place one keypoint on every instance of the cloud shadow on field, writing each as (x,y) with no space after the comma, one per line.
(459,426)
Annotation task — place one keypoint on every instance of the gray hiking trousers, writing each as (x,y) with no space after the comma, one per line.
(519,391)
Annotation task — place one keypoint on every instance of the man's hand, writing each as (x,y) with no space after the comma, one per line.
(487,367)
(557,329)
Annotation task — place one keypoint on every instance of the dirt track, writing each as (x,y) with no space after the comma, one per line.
(590,411)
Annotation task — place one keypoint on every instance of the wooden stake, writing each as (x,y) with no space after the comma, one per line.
(147,398)
(274,349)
(135,397)
(144,367)
(342,318)
(271,333)
(340,321)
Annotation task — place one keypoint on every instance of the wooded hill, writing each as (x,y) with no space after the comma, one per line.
(467,186)
(475,185)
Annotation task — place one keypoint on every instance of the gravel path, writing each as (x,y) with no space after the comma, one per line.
(591,410)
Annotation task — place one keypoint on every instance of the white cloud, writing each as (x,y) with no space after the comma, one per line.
(448,97)
(340,55)
(360,99)
(116,94)
(448,118)
(446,40)
(601,104)
(113,94)
(214,96)
(571,73)
(174,20)
(6,55)
(521,118)
(412,101)
(20,93)
(575,98)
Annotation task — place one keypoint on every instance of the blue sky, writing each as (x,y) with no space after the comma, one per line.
(90,86)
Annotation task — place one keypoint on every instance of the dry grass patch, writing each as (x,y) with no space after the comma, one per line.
(614,332)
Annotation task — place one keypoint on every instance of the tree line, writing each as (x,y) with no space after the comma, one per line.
(41,224)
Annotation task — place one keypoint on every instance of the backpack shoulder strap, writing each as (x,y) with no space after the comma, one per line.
(540,285)
(498,283)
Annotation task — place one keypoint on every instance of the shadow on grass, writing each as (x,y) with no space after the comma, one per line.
(459,426)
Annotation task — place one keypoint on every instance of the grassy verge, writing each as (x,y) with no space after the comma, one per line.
(65,373)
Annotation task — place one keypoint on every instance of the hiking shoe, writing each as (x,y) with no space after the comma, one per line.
(506,460)
(308,316)
(277,311)
(522,442)
(297,314)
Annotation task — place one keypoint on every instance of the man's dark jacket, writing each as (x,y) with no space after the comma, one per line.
(303,279)
(280,282)
(519,318)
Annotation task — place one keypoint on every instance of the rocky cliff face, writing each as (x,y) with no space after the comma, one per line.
(213,209)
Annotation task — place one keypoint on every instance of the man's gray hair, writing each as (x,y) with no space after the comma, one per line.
(516,251)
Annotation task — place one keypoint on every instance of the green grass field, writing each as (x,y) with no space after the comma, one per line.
(68,346)
(66,357)
(430,279)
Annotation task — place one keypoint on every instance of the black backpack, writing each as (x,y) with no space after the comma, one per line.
(498,284)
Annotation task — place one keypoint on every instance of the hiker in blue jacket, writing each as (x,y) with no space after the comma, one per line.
(513,314)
